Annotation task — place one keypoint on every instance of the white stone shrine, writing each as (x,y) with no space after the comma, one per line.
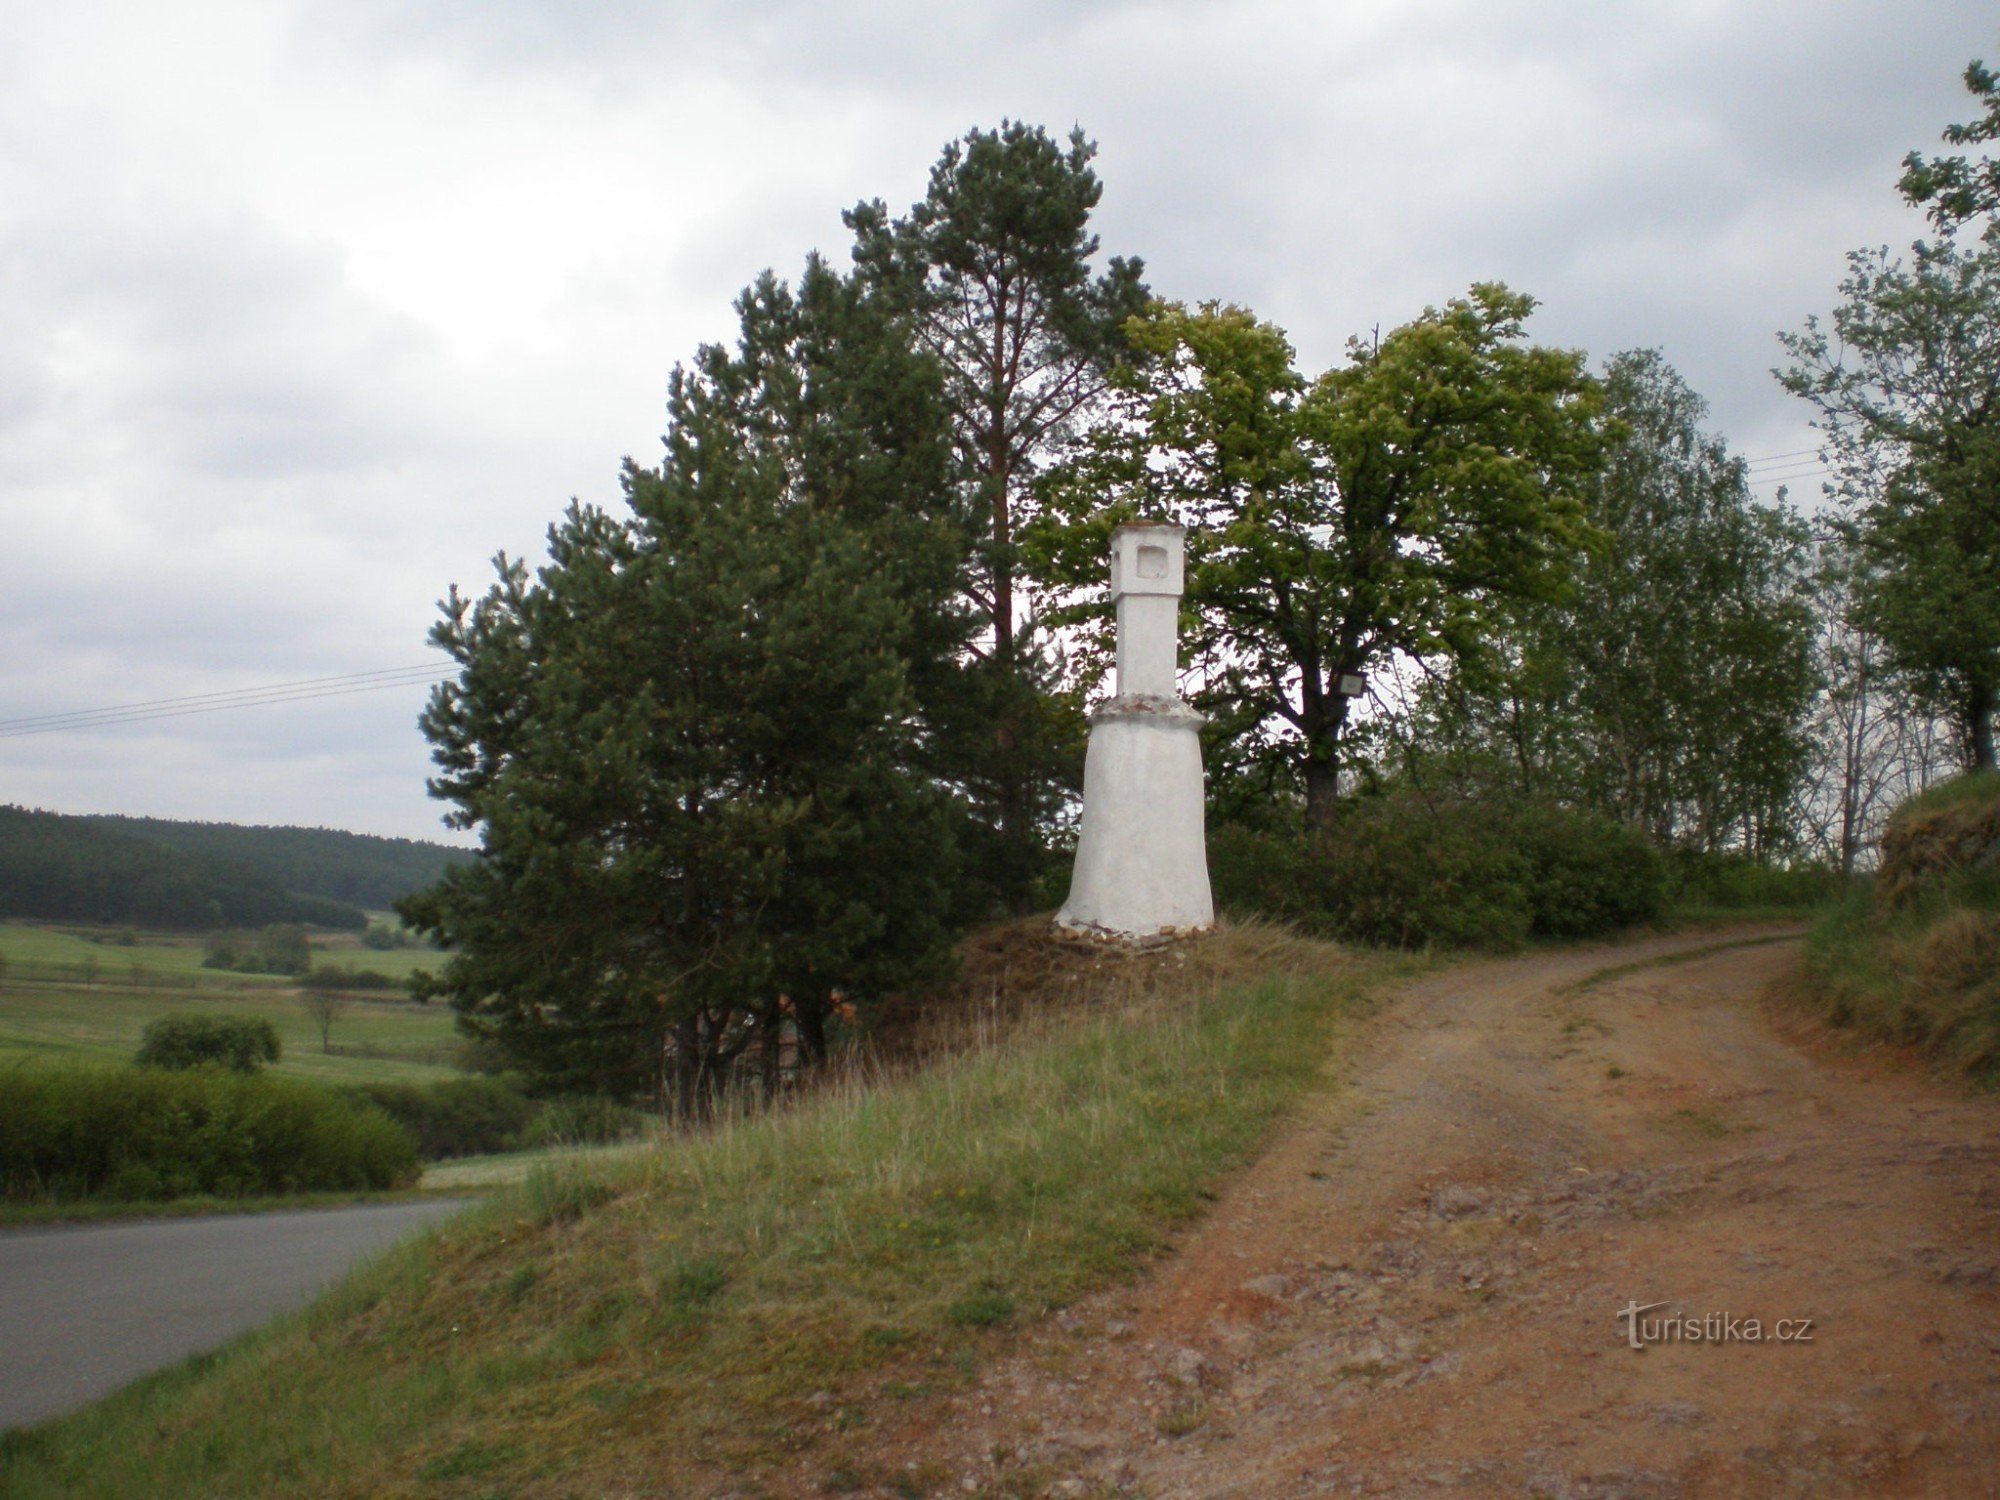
(1141,871)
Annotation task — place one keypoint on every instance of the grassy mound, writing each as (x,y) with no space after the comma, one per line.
(1917,959)
(746,1299)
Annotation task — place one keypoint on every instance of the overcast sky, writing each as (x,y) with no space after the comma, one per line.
(307,309)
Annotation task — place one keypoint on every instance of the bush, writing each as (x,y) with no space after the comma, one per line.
(244,1043)
(145,1133)
(580,1120)
(1736,882)
(457,1117)
(279,949)
(1586,874)
(1401,871)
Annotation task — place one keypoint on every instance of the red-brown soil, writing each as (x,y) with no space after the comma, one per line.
(1416,1290)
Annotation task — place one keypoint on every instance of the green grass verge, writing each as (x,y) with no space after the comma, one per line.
(1924,974)
(1917,959)
(463,1176)
(746,1297)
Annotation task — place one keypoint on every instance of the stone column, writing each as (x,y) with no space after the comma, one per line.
(1141,864)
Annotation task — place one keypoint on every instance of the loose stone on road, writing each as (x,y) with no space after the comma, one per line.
(85,1309)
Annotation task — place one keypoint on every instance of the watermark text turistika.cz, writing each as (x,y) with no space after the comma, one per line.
(1706,1328)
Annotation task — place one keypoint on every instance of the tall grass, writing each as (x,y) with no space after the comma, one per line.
(1916,960)
(751,1295)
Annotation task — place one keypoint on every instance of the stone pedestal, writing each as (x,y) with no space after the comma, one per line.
(1141,863)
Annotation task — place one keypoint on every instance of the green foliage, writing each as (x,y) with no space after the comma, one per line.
(280,949)
(1734,881)
(697,743)
(59,868)
(1903,382)
(457,1116)
(996,267)
(348,978)
(361,870)
(244,1043)
(1394,509)
(1401,870)
(1960,190)
(995,263)
(380,936)
(579,1120)
(1586,874)
(1669,686)
(1917,959)
(146,1133)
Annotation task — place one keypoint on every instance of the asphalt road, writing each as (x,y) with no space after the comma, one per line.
(85,1309)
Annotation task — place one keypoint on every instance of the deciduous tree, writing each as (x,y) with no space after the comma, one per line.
(1907,385)
(1670,685)
(1392,510)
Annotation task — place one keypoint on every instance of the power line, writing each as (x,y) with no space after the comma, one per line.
(300,691)
(1787,476)
(1773,458)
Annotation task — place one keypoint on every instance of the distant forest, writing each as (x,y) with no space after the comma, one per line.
(146,872)
(360,869)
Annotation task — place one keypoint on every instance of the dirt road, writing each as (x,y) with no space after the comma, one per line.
(1418,1290)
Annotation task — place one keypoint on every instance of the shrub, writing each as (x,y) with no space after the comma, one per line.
(145,1133)
(244,1043)
(1255,871)
(1737,882)
(456,1117)
(1586,873)
(580,1120)
(1402,871)
(279,949)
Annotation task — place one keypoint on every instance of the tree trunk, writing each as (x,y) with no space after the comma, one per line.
(1325,717)
(811,1014)
(687,1069)
(1322,795)
(1980,737)
(771,1050)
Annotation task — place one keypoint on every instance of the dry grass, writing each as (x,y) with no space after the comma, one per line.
(743,1302)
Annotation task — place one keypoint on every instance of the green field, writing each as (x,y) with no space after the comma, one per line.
(670,1318)
(74,994)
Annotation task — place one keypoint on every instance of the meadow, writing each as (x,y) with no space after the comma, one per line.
(71,994)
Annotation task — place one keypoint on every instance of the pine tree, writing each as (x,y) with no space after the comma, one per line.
(996,264)
(694,742)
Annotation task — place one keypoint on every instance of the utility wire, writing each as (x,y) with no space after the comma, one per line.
(1779,458)
(203,703)
(1775,468)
